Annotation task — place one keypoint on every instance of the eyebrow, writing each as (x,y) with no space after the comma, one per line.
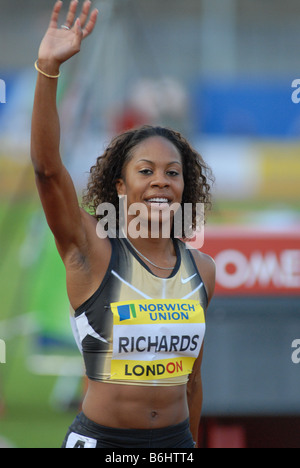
(151,162)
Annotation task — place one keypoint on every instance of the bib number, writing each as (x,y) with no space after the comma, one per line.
(80,441)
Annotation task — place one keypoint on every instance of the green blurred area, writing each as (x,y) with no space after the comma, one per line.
(29,419)
(32,287)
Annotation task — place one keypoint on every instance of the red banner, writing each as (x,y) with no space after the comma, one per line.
(255,261)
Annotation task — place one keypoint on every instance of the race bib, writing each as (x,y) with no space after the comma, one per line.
(80,441)
(156,339)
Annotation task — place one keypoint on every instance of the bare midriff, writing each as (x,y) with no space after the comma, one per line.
(135,407)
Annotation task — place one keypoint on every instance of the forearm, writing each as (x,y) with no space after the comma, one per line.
(45,130)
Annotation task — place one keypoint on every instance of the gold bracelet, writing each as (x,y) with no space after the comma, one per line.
(43,73)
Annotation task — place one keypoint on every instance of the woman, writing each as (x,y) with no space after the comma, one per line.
(139,302)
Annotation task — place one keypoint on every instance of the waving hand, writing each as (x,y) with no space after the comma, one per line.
(60,43)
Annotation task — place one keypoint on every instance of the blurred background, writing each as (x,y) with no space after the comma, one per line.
(221,72)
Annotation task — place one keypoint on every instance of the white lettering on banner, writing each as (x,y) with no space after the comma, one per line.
(280,270)
(2,352)
(264,270)
(290,260)
(238,277)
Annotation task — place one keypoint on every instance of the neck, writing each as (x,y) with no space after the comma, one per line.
(165,258)
(155,247)
(159,245)
(158,252)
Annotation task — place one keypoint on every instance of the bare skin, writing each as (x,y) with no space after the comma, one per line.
(155,169)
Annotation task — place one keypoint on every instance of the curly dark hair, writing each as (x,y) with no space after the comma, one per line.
(110,167)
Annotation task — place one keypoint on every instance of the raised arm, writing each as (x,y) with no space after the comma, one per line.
(54,183)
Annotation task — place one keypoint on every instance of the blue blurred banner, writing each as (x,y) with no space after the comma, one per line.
(254,108)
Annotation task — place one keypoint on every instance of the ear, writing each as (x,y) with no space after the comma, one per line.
(121,187)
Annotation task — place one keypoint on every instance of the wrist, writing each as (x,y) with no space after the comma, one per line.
(51,67)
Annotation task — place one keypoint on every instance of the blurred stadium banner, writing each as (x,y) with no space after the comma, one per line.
(252,322)
(255,261)
(254,107)
(254,170)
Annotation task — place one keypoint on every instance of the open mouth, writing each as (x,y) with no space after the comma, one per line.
(158,202)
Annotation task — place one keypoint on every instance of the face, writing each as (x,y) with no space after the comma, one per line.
(153,178)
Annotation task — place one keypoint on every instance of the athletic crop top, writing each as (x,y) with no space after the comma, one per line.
(139,329)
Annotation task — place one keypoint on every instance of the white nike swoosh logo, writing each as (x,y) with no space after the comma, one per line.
(187,280)
(193,292)
(84,329)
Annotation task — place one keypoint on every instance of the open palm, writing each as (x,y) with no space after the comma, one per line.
(60,44)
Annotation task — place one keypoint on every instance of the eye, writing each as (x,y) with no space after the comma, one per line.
(146,171)
(173,173)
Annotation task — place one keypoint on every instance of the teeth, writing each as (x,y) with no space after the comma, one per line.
(158,200)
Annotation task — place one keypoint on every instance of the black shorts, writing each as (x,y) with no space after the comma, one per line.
(84,433)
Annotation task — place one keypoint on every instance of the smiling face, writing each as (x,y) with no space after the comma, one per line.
(153,177)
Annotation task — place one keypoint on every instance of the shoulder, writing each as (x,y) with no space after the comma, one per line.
(207,269)
(202,258)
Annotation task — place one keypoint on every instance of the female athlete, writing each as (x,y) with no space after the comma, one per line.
(139,301)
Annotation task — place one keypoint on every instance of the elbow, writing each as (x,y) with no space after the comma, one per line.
(44,174)
(46,162)
(44,171)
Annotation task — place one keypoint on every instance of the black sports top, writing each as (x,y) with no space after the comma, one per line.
(139,329)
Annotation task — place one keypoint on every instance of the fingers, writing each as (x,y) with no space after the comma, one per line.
(55,14)
(85,12)
(90,24)
(82,27)
(78,34)
(86,26)
(71,13)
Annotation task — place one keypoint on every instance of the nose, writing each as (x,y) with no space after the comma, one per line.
(160,179)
